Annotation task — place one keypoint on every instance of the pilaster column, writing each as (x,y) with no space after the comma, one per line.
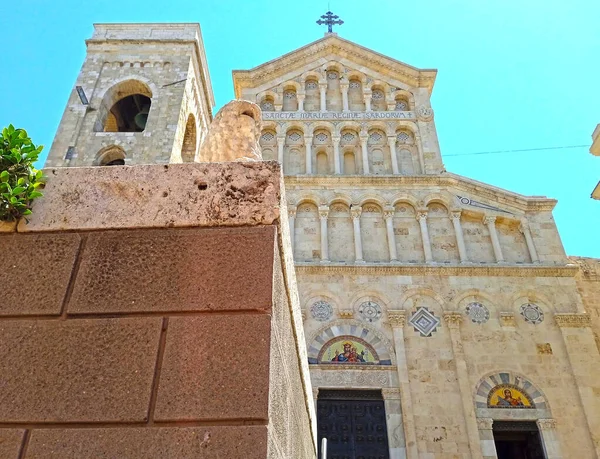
(368,95)
(453,321)
(292,220)
(582,354)
(308,159)
(419,145)
(344,87)
(280,145)
(490,222)
(549,438)
(524,228)
(422,218)
(323,216)
(486,438)
(397,320)
(392,145)
(460,239)
(392,401)
(323,90)
(365,153)
(388,214)
(336,153)
(358,252)
(300,98)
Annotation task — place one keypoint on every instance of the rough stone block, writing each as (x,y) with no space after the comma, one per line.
(155,196)
(10,443)
(35,272)
(215,367)
(176,270)
(77,370)
(210,442)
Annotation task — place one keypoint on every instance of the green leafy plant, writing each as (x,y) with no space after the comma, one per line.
(19,180)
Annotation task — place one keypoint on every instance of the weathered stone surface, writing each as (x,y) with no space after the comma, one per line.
(215,367)
(176,270)
(10,443)
(77,370)
(8,227)
(233,134)
(35,272)
(210,442)
(175,195)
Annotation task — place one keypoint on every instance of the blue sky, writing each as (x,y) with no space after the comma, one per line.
(515,74)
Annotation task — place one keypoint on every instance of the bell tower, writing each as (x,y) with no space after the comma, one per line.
(143,96)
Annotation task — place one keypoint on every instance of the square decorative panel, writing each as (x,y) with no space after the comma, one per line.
(424,321)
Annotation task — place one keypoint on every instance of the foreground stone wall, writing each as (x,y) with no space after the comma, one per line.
(174,336)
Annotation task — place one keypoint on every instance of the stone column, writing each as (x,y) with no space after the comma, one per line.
(524,228)
(397,320)
(393,414)
(453,321)
(336,154)
(549,438)
(460,239)
(422,218)
(292,219)
(300,98)
(388,214)
(308,159)
(357,237)
(490,222)
(582,354)
(486,438)
(368,95)
(392,145)
(420,151)
(280,145)
(344,87)
(323,215)
(323,89)
(365,153)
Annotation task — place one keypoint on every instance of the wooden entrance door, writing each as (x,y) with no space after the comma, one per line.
(353,423)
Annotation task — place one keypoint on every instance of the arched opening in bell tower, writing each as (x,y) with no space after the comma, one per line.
(125,108)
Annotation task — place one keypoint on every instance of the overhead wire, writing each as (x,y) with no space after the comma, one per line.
(515,151)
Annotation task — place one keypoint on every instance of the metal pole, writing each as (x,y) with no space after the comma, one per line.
(324,448)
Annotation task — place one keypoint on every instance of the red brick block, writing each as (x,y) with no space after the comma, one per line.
(215,366)
(236,442)
(175,270)
(10,443)
(35,271)
(77,370)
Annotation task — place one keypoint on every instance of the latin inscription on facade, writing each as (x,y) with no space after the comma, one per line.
(337,115)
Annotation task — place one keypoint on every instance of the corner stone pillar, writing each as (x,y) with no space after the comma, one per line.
(524,228)
(453,321)
(393,414)
(358,252)
(460,239)
(486,438)
(583,355)
(323,216)
(549,438)
(336,154)
(490,222)
(397,320)
(365,153)
(308,160)
(388,214)
(422,219)
(392,145)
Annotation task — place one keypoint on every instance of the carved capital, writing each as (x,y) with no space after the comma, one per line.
(280,140)
(422,215)
(388,212)
(292,211)
(303,315)
(336,139)
(323,85)
(346,313)
(578,320)
(356,212)
(489,220)
(453,319)
(507,319)
(323,212)
(396,318)
(455,215)
(485,423)
(524,226)
(390,393)
(546,424)
(308,139)
(392,140)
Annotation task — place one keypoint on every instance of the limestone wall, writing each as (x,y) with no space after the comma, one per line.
(142,322)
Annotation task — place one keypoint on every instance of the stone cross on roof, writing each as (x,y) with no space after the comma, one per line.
(330,19)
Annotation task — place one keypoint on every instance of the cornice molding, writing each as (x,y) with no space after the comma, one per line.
(438,270)
(578,320)
(498,195)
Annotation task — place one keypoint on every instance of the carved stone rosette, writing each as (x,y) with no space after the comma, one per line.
(397,319)
(578,320)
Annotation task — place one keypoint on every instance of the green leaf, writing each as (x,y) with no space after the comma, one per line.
(18,190)
(35,194)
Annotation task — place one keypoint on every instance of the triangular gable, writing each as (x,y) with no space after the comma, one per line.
(345,49)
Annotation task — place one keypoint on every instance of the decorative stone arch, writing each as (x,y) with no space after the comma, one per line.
(292,84)
(269,94)
(356,75)
(404,125)
(418,292)
(351,328)
(312,75)
(310,198)
(189,146)
(292,125)
(340,198)
(348,125)
(530,296)
(444,199)
(406,198)
(456,301)
(271,126)
(404,94)
(112,155)
(371,198)
(370,295)
(381,85)
(326,125)
(122,89)
(332,65)
(381,125)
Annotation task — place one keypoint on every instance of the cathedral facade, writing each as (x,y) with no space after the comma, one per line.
(442,317)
